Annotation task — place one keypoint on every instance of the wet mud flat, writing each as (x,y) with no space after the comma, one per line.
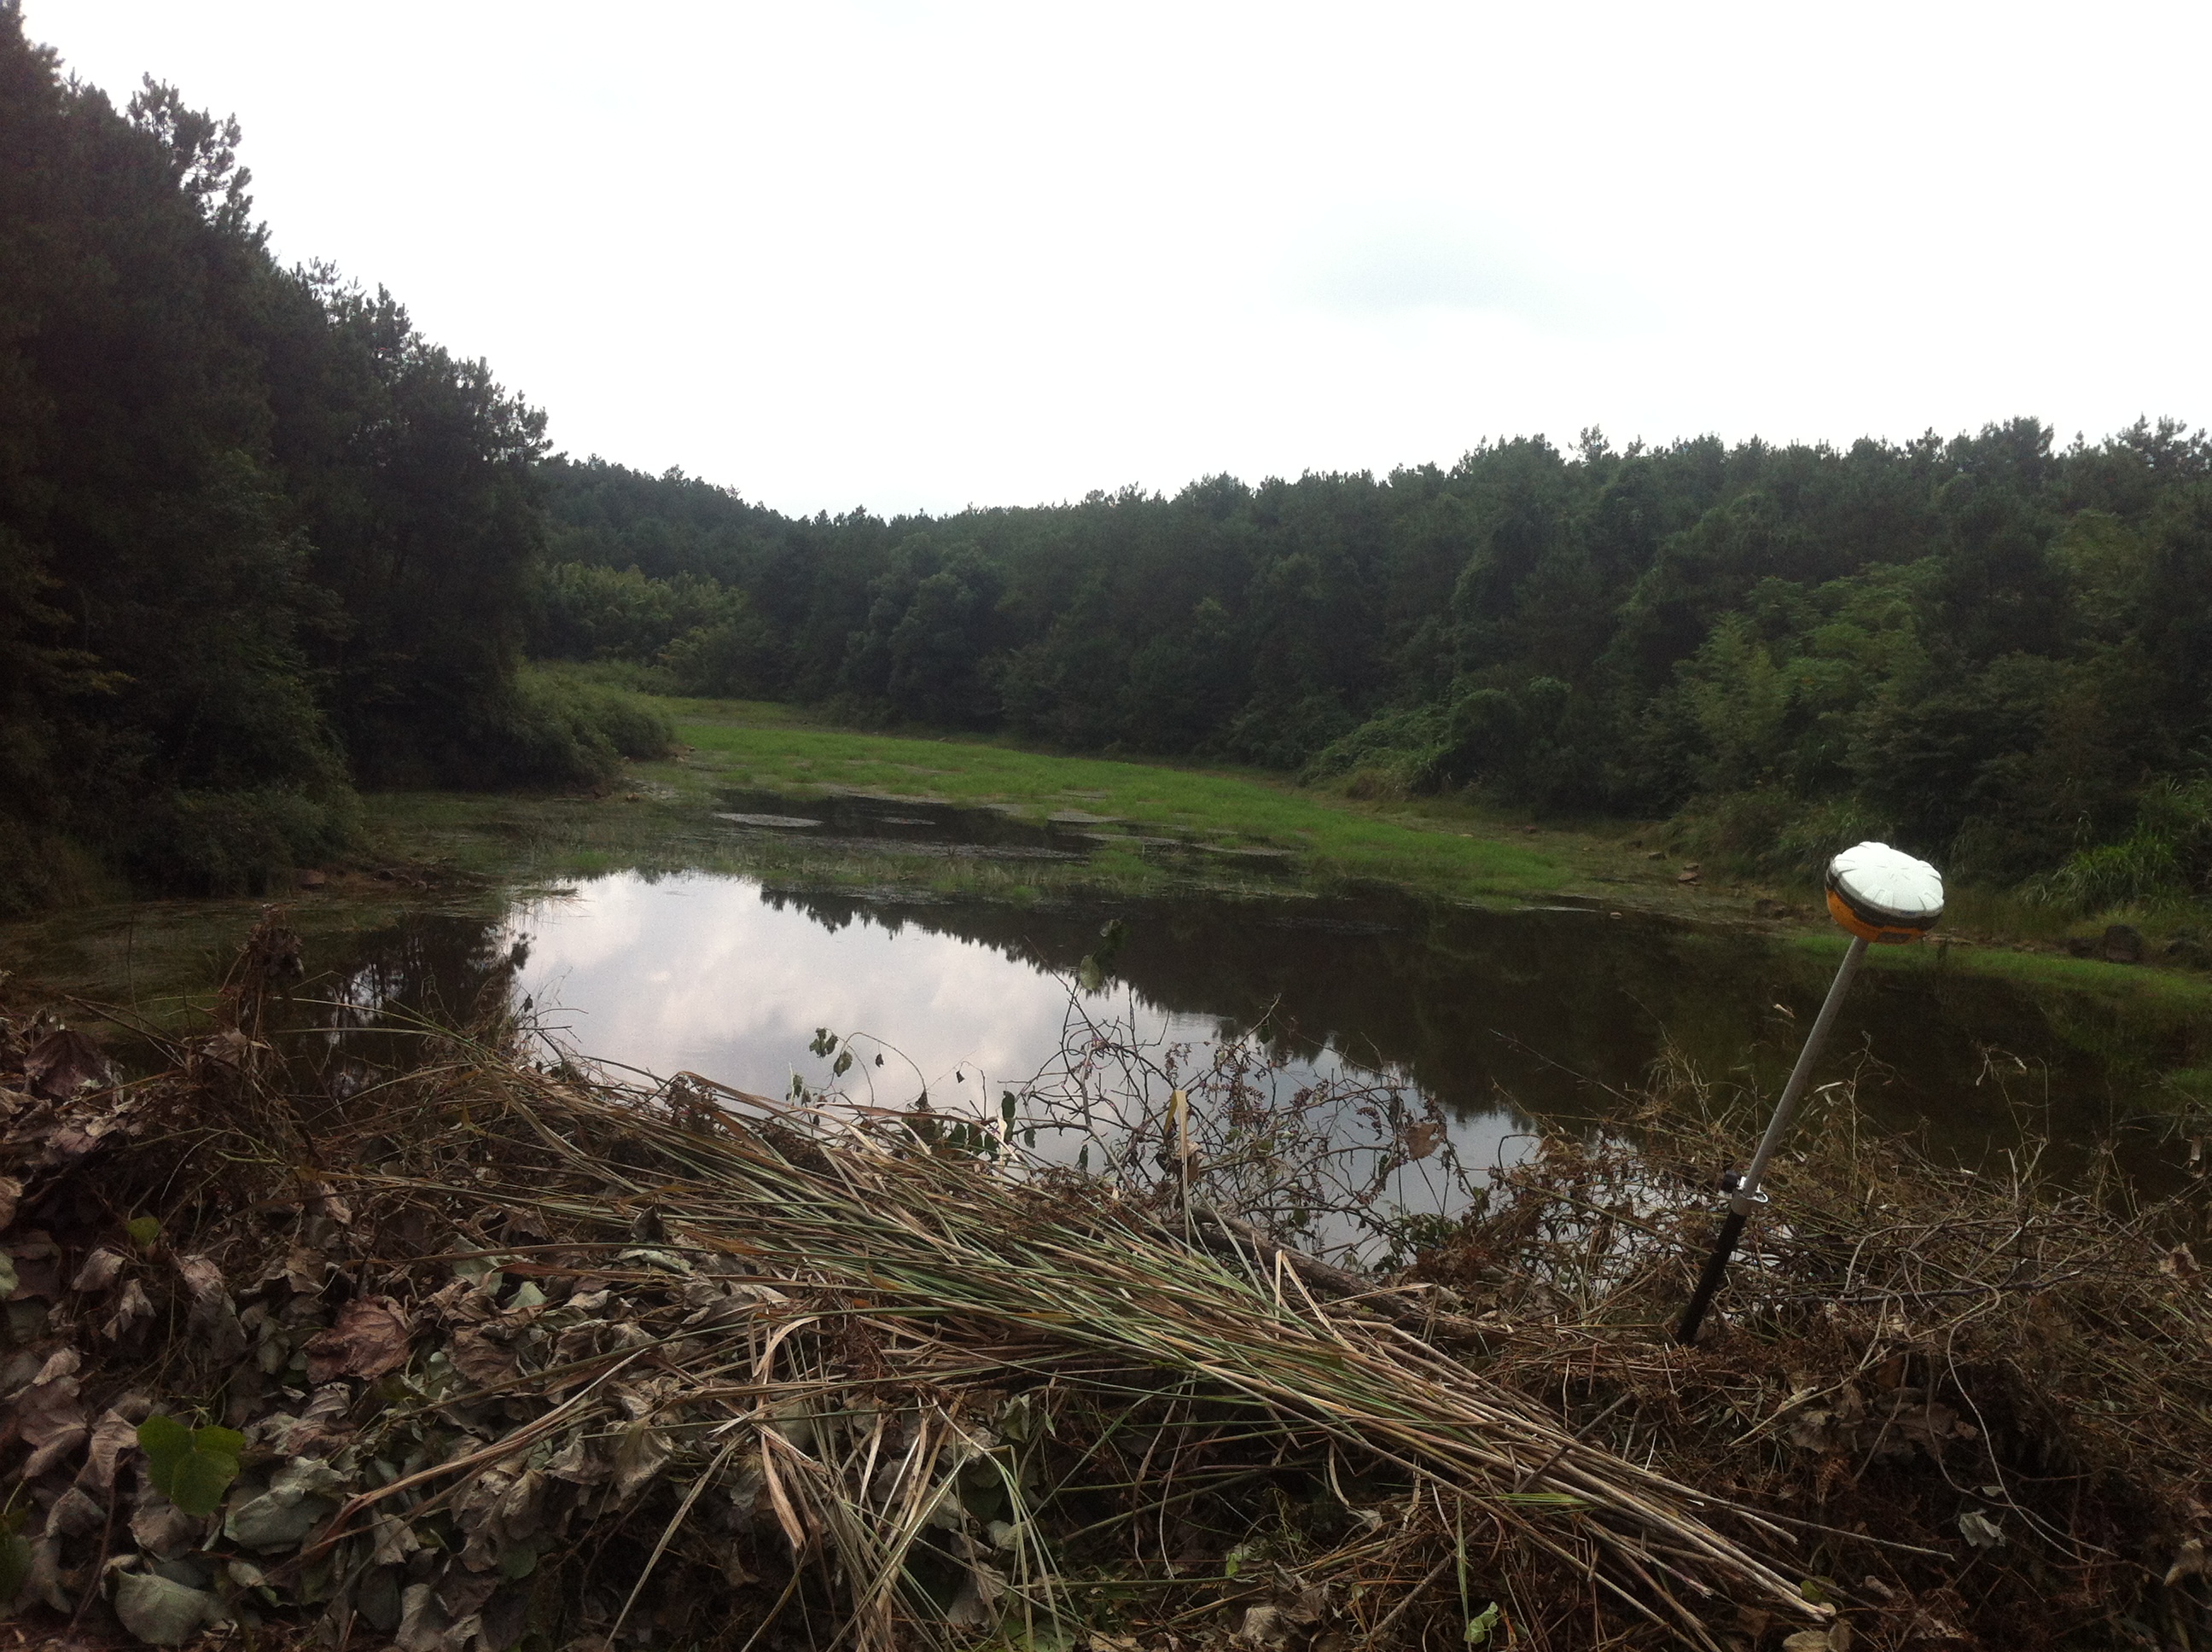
(863,823)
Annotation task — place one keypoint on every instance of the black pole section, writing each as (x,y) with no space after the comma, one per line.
(1710,1280)
(1743,1193)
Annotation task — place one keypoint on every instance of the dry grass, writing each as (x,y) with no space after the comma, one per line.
(533,1354)
(2003,1376)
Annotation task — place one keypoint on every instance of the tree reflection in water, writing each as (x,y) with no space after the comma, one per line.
(1492,1017)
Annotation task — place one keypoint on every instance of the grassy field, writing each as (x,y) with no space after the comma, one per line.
(1247,831)
(1231,813)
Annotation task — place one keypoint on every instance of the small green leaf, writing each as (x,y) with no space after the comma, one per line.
(221,1442)
(143,1231)
(199,1480)
(191,1467)
(1480,1626)
(8,1281)
(160,1437)
(14,1566)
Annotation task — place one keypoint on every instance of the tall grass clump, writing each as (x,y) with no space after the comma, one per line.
(2165,860)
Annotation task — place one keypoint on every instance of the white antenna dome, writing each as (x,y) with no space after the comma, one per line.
(1882,894)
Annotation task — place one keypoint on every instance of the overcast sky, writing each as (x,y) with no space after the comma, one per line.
(907,255)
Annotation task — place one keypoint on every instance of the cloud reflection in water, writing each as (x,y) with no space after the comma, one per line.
(711,974)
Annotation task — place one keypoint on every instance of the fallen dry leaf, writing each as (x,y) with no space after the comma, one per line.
(480,1359)
(2190,1562)
(74,1514)
(111,1437)
(130,1307)
(1263,1626)
(369,1339)
(162,1529)
(98,1270)
(214,1316)
(323,1201)
(318,1429)
(62,1062)
(640,1455)
(1424,1138)
(48,1417)
(302,1271)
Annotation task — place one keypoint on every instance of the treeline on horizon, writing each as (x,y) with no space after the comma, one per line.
(1987,649)
(262,542)
(260,539)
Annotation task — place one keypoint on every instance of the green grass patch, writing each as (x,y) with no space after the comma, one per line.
(735,745)
(2125,983)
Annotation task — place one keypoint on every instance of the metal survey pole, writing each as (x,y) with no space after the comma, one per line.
(1878,895)
(1744,1196)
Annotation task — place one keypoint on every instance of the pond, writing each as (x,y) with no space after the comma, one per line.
(1494,1017)
(1545,1010)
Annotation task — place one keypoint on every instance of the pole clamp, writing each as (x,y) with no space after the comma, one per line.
(1738,1202)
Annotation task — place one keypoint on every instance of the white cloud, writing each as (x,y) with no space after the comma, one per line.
(921,255)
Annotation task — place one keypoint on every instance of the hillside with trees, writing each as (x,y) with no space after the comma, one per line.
(259,539)
(262,542)
(1990,648)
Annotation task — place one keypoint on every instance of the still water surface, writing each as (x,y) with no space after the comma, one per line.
(1499,1017)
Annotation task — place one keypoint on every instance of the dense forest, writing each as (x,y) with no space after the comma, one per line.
(262,542)
(260,539)
(1989,649)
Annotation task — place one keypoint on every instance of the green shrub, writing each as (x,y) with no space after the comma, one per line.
(237,842)
(629,675)
(732,660)
(555,730)
(1509,743)
(1766,830)
(40,868)
(1277,731)
(1397,749)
